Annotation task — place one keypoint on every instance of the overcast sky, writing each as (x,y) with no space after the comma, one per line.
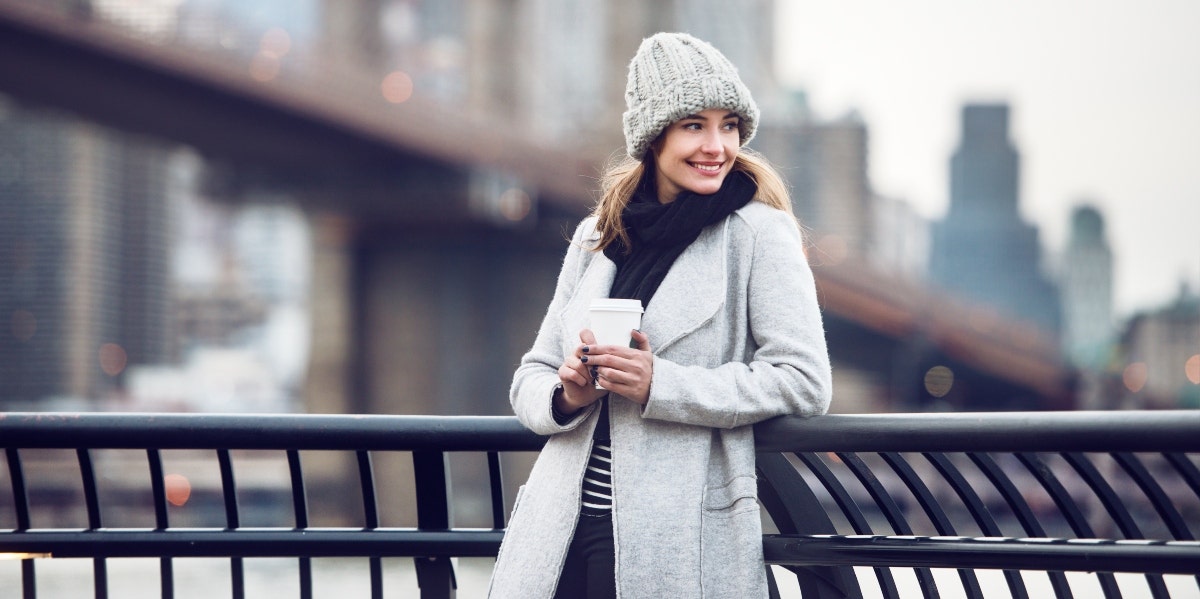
(1105,100)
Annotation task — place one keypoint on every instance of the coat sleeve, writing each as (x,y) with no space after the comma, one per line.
(789,371)
(537,375)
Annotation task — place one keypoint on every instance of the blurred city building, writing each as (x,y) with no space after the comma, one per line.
(1161,351)
(826,164)
(241,276)
(900,243)
(84,264)
(983,249)
(1086,285)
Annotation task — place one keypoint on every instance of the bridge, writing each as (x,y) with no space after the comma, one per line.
(439,232)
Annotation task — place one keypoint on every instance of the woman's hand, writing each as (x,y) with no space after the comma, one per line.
(578,388)
(625,371)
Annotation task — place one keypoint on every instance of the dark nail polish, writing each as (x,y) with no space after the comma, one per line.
(583,359)
(595,372)
(585,349)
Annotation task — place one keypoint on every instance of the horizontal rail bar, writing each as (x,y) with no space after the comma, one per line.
(1165,430)
(1125,431)
(243,542)
(275,431)
(1088,555)
(1083,555)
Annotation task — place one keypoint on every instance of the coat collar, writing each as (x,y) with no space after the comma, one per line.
(693,291)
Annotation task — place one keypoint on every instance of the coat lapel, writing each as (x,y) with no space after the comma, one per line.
(596,281)
(690,295)
(692,292)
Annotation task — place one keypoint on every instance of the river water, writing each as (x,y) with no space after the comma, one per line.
(350,579)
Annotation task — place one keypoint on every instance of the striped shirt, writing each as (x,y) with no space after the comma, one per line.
(597,478)
(597,481)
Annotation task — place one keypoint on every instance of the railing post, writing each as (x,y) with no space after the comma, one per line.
(16,475)
(435,574)
(795,509)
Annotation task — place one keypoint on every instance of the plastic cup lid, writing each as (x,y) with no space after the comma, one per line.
(617,305)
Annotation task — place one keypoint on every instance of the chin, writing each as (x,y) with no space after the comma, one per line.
(708,188)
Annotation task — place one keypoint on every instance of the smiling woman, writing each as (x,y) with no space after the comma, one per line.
(695,153)
(646,487)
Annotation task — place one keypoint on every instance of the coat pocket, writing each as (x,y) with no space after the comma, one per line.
(731,563)
(737,496)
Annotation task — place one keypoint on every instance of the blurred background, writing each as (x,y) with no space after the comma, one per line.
(360,206)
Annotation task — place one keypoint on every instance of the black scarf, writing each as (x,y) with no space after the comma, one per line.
(658,233)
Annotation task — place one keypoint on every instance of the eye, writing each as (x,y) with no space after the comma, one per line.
(692,126)
(730,125)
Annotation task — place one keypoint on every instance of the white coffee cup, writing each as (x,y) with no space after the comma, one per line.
(613,321)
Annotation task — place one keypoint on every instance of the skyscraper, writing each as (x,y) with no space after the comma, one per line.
(83,256)
(1087,290)
(826,163)
(983,250)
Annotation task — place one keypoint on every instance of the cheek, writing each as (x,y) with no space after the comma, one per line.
(659,160)
(733,142)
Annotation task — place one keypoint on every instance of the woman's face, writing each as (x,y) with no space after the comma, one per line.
(695,153)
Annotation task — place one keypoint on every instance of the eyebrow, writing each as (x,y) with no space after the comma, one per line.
(696,117)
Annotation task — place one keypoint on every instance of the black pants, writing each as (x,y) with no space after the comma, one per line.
(590,569)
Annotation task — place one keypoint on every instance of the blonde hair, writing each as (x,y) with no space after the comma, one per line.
(623,175)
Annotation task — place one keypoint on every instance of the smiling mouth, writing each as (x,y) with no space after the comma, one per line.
(708,168)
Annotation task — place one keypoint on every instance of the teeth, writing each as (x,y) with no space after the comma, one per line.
(707,167)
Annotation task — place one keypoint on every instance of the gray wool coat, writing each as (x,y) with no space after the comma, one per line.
(737,338)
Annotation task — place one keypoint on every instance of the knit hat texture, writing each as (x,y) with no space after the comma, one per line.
(674,75)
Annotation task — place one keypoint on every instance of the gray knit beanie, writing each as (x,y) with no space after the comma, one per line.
(674,75)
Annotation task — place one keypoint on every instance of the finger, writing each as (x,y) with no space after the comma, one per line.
(586,367)
(618,367)
(574,376)
(622,359)
(628,384)
(581,366)
(587,337)
(640,340)
(609,376)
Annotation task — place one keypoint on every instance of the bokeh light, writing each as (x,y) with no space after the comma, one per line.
(1192,368)
(515,204)
(275,43)
(112,359)
(397,87)
(939,380)
(178,488)
(1135,376)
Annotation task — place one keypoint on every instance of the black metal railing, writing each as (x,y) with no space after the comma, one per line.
(1105,493)
(919,503)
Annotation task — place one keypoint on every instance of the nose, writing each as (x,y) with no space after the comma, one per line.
(711,144)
